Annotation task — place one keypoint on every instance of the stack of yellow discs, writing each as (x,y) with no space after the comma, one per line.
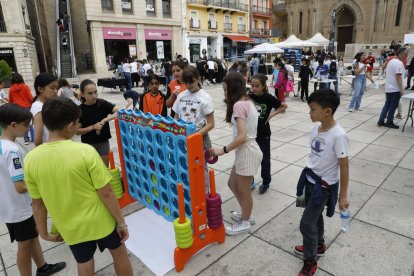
(116,183)
(183,233)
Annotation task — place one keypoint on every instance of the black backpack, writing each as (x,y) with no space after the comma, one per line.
(332,68)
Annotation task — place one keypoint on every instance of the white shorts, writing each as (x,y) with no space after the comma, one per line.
(248,158)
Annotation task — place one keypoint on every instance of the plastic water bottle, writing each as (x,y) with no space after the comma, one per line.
(345,220)
(375,85)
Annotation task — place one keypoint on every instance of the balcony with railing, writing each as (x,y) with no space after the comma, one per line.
(194,24)
(242,28)
(228,26)
(212,25)
(3,28)
(261,10)
(279,7)
(226,4)
(261,32)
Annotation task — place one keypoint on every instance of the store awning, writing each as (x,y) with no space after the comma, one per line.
(239,38)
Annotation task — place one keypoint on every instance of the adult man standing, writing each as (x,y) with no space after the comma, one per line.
(410,74)
(393,88)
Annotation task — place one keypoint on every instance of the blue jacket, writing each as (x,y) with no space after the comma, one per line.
(317,191)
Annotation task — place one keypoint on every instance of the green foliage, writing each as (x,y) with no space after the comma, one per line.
(5,71)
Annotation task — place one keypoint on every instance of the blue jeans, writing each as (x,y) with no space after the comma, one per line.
(391,104)
(168,79)
(255,70)
(359,90)
(127,75)
(335,83)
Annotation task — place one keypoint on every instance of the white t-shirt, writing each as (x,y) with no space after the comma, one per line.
(2,96)
(360,65)
(126,68)
(290,69)
(394,67)
(326,148)
(145,69)
(245,110)
(134,67)
(194,107)
(36,108)
(210,65)
(14,207)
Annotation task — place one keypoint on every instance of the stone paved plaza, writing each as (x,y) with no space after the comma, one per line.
(381,194)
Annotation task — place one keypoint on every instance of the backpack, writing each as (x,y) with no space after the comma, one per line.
(333,68)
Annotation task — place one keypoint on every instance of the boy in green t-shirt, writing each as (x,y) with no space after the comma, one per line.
(69,181)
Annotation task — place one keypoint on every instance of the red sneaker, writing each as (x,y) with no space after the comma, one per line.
(320,251)
(309,268)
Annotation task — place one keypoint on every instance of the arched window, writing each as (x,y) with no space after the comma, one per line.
(398,15)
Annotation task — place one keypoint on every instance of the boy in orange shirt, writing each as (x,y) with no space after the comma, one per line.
(153,101)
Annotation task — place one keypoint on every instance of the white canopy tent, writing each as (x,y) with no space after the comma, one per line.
(319,39)
(292,41)
(264,48)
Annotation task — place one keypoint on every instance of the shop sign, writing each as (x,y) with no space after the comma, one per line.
(195,40)
(119,33)
(132,50)
(126,5)
(160,49)
(158,34)
(6,52)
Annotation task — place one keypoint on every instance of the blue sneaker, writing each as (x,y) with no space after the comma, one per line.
(253,185)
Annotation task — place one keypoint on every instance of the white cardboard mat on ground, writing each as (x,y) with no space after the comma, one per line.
(152,240)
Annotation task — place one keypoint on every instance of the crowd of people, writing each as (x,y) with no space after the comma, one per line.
(74,189)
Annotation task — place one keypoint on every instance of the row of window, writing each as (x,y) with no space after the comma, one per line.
(127,7)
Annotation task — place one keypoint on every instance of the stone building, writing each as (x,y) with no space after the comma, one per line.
(17,44)
(107,31)
(358,21)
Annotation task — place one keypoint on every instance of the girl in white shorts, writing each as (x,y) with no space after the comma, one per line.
(243,116)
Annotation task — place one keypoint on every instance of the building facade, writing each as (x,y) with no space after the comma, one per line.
(279,19)
(357,21)
(107,31)
(17,45)
(261,20)
(215,28)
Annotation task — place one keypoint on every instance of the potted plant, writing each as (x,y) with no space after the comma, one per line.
(5,72)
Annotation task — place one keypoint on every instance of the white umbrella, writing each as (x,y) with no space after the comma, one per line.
(264,48)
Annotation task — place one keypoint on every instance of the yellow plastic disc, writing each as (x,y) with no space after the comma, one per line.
(166,211)
(154,179)
(155,191)
(185,245)
(184,236)
(148,199)
(185,225)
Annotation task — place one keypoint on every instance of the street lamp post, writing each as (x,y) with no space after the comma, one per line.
(331,46)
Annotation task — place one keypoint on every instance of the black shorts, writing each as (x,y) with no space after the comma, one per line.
(84,251)
(23,231)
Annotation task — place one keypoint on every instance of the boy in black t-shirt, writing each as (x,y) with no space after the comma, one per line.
(305,73)
(264,102)
(132,97)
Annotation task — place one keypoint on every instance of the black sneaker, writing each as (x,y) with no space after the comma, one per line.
(263,189)
(51,269)
(380,124)
(392,125)
(320,250)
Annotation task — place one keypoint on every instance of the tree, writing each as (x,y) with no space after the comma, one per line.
(5,71)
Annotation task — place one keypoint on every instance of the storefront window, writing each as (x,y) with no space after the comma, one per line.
(107,6)
(126,6)
(150,7)
(166,8)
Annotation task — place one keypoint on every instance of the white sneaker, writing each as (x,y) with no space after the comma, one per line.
(351,110)
(236,216)
(239,228)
